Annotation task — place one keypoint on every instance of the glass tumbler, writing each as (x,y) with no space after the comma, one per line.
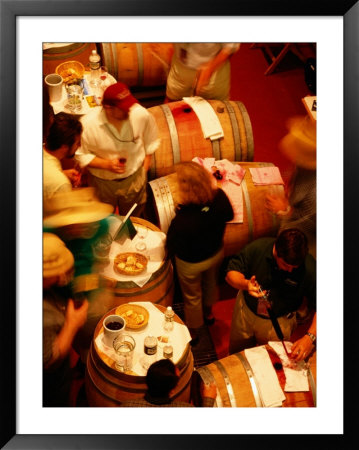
(124,346)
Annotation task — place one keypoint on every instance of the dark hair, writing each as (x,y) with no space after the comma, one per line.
(292,246)
(161,378)
(63,131)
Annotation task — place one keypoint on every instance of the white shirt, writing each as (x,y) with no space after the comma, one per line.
(54,180)
(193,55)
(138,137)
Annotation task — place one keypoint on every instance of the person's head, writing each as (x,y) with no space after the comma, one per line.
(290,249)
(117,101)
(64,134)
(195,184)
(75,214)
(162,376)
(58,261)
(299,145)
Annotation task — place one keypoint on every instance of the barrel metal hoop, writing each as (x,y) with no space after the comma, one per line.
(248,130)
(248,208)
(75,50)
(140,63)
(275,219)
(155,185)
(173,133)
(312,386)
(208,378)
(165,204)
(230,392)
(216,149)
(252,380)
(110,58)
(104,379)
(235,131)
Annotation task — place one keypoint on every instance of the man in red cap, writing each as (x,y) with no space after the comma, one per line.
(117,143)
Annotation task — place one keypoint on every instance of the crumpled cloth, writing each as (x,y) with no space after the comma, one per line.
(266,378)
(296,377)
(210,123)
(155,252)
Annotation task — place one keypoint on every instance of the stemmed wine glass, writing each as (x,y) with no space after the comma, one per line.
(104,77)
(141,233)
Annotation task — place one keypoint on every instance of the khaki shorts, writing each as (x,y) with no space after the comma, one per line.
(181,80)
(122,193)
(249,330)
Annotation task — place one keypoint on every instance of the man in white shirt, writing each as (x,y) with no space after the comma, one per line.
(117,144)
(61,142)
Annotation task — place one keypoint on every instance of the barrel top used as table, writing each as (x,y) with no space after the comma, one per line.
(155,252)
(179,338)
(61,105)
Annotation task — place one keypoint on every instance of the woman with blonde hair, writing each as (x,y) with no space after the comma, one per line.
(195,241)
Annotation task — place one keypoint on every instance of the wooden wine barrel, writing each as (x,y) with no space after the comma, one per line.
(74,51)
(236,384)
(106,386)
(182,136)
(138,64)
(257,220)
(159,289)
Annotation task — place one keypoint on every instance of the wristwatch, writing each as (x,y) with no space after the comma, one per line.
(312,337)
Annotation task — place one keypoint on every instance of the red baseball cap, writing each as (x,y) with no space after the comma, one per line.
(120,96)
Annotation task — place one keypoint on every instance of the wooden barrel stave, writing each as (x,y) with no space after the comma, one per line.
(182,136)
(138,64)
(236,389)
(257,220)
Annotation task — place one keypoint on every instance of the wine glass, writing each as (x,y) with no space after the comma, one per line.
(141,233)
(104,77)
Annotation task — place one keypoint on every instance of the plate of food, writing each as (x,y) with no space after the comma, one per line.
(136,316)
(130,263)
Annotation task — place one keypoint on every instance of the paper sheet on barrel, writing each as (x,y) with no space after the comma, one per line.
(232,176)
(296,379)
(211,126)
(179,337)
(266,378)
(155,242)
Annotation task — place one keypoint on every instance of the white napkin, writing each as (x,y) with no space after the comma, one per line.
(266,378)
(178,338)
(262,176)
(296,378)
(155,252)
(210,123)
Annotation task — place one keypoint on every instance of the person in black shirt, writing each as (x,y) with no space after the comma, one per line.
(195,240)
(286,273)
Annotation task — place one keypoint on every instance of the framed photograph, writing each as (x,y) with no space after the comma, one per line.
(24,27)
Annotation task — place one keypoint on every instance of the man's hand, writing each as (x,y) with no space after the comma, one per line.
(73,175)
(301,348)
(114,165)
(275,203)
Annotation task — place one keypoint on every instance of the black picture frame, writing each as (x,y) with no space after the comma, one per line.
(10,9)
